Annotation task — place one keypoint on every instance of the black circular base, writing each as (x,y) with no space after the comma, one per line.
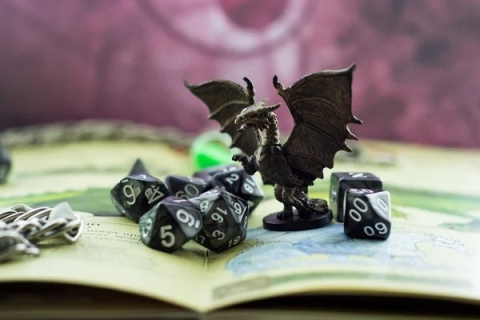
(313,220)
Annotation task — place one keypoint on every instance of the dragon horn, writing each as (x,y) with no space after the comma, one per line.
(355,120)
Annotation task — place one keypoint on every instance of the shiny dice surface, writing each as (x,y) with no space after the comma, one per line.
(341,181)
(5,164)
(185,187)
(138,168)
(134,195)
(170,224)
(367,214)
(241,184)
(225,219)
(208,173)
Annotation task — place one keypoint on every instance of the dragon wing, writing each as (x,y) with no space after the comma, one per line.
(225,100)
(321,107)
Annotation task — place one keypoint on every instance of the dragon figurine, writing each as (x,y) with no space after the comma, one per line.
(321,106)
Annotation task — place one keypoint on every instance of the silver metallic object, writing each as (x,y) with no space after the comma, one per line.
(13,244)
(23,228)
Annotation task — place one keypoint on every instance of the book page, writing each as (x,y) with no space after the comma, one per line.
(110,255)
(433,249)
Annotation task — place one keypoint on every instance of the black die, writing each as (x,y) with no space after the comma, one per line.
(367,214)
(5,164)
(208,173)
(185,187)
(241,184)
(170,224)
(341,181)
(138,168)
(225,219)
(136,194)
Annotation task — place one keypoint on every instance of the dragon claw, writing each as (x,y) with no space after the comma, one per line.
(240,158)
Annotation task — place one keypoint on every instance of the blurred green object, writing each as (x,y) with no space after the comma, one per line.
(210,149)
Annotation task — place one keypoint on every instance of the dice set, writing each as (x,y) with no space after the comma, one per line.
(211,207)
(358,200)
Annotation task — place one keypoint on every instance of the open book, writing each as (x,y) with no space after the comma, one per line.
(433,250)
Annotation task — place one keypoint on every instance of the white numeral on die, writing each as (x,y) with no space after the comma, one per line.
(357,175)
(381,204)
(200,239)
(203,206)
(238,208)
(185,217)
(233,242)
(146,228)
(234,177)
(360,191)
(384,208)
(153,194)
(218,234)
(168,238)
(217,217)
(249,185)
(130,194)
(379,226)
(188,191)
(361,206)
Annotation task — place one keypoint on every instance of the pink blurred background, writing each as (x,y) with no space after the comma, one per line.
(417,77)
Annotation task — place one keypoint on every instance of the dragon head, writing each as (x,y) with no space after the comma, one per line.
(255,115)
